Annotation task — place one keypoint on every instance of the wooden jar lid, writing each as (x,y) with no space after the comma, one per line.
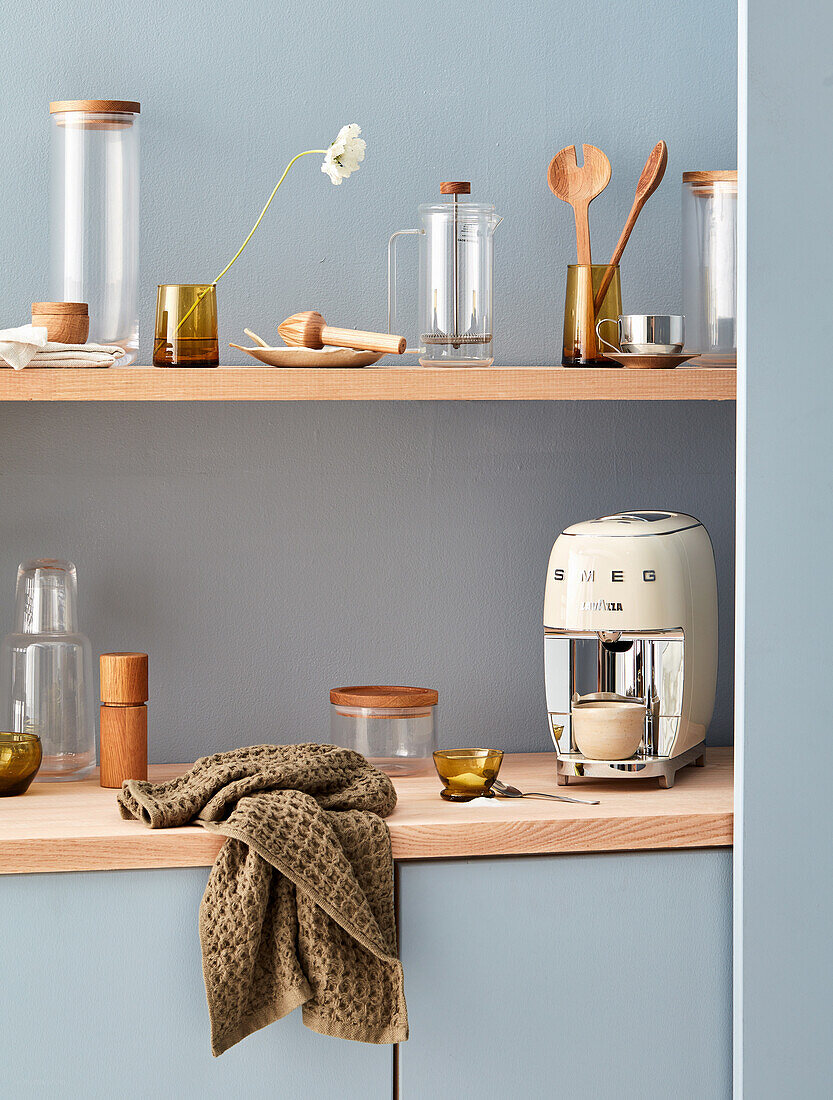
(124,678)
(704,182)
(95,106)
(391,698)
(729,175)
(455,187)
(54,309)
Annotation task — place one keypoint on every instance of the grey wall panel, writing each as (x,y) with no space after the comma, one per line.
(263,554)
(396,543)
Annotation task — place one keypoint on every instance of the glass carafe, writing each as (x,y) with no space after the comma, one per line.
(456,259)
(46,670)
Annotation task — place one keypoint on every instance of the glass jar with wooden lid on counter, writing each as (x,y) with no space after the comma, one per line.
(395,727)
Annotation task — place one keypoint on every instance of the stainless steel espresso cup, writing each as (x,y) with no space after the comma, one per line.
(647,333)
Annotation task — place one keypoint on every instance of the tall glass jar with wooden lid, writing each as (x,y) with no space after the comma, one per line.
(94,215)
(710,265)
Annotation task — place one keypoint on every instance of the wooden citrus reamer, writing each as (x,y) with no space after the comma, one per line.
(310,330)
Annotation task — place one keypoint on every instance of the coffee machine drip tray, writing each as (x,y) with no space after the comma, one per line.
(663,769)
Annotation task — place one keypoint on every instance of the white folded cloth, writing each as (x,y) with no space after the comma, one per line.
(19,346)
(28,346)
(77,355)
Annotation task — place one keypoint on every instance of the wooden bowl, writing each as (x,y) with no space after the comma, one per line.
(65,322)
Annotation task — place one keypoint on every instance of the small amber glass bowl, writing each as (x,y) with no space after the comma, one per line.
(467,773)
(20,757)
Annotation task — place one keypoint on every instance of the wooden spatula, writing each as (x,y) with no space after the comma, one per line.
(578,187)
(649,181)
(310,330)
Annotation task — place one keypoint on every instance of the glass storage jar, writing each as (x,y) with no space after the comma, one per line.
(710,265)
(46,670)
(94,216)
(394,727)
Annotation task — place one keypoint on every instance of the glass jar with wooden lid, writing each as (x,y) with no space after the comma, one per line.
(395,727)
(94,215)
(710,265)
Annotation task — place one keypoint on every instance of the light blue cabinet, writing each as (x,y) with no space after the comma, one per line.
(101,995)
(597,976)
(585,977)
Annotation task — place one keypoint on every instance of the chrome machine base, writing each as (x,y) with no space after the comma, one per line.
(665,769)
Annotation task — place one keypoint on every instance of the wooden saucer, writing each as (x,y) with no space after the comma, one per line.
(648,362)
(310,357)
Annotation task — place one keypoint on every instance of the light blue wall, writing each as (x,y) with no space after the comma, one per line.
(785,862)
(282,551)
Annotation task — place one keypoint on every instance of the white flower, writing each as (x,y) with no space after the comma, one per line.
(345,154)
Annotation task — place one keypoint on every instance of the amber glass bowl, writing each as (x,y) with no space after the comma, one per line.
(467,773)
(20,757)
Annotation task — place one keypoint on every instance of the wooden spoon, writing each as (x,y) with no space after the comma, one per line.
(310,330)
(649,181)
(578,187)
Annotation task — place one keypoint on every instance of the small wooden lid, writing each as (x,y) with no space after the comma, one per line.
(455,187)
(95,106)
(54,309)
(392,698)
(124,678)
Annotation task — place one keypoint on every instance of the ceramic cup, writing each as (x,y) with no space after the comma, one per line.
(646,333)
(608,729)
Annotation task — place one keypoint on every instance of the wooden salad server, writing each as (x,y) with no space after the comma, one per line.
(649,181)
(578,187)
(309,330)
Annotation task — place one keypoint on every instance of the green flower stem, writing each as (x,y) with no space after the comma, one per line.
(306,153)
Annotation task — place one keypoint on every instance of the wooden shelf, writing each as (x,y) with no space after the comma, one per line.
(77,827)
(411,383)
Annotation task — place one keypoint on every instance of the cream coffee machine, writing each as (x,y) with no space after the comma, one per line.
(630,613)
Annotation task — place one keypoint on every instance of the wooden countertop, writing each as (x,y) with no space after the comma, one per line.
(77,827)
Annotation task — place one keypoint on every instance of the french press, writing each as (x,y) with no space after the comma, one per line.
(456,255)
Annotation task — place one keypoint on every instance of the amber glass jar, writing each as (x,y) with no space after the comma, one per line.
(580,345)
(186,326)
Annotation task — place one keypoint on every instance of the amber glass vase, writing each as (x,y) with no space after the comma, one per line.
(581,346)
(186,326)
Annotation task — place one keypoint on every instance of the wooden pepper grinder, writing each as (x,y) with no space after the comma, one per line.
(124,717)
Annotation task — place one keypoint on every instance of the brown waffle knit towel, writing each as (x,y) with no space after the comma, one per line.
(299,904)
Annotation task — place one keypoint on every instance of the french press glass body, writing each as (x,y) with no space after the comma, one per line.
(456,260)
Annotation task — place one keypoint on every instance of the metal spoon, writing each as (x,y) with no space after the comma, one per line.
(503,790)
